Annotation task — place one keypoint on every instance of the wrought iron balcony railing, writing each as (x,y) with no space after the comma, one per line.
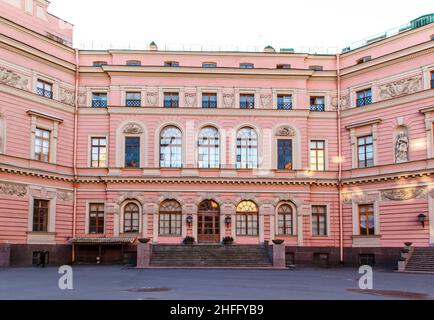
(209,104)
(133,103)
(171,104)
(317,107)
(284,106)
(99,103)
(247,105)
(364,101)
(45,93)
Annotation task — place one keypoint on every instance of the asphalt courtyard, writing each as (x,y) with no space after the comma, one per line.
(118,283)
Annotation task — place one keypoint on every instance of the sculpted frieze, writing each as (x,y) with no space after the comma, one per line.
(13,79)
(401,87)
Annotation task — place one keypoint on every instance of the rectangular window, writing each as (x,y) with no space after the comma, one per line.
(432,80)
(99,100)
(134,63)
(44,89)
(133,99)
(319,220)
(283,66)
(209,65)
(42,145)
(284,154)
(247,65)
(316,68)
(171,100)
(99,63)
(364,97)
(366,220)
(209,100)
(247,101)
(170,224)
(247,224)
(365,151)
(171,64)
(284,102)
(96,218)
(317,155)
(40,215)
(99,152)
(132,152)
(317,104)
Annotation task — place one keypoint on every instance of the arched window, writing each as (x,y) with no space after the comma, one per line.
(171,148)
(131,218)
(170,218)
(247,219)
(285,225)
(209,148)
(247,149)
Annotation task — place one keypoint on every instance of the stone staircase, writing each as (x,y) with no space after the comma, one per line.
(422,260)
(210,256)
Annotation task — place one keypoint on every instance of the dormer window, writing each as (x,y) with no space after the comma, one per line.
(247,65)
(364,97)
(171,64)
(364,59)
(316,68)
(209,65)
(44,89)
(134,63)
(99,63)
(283,66)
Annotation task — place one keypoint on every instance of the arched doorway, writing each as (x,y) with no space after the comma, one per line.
(208,222)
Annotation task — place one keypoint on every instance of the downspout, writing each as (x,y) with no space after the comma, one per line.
(341,227)
(74,214)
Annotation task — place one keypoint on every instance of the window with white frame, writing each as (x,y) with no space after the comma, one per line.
(209,148)
(247,149)
(317,155)
(171,147)
(98,152)
(42,145)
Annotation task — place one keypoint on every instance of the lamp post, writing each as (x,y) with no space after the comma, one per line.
(189,220)
(228,220)
(422,219)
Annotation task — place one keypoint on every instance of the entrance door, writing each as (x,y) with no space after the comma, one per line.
(208,228)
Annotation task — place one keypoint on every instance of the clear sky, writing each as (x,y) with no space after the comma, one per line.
(320,24)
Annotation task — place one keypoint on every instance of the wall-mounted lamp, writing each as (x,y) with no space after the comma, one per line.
(228,220)
(422,219)
(189,220)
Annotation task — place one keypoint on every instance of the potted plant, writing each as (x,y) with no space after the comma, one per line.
(144,240)
(228,240)
(278,241)
(188,240)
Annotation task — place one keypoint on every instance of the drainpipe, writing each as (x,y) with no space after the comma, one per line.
(74,156)
(341,230)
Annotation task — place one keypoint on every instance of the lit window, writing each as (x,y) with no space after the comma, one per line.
(247,219)
(99,152)
(366,220)
(42,145)
(99,100)
(171,148)
(44,89)
(365,148)
(247,149)
(317,155)
(209,148)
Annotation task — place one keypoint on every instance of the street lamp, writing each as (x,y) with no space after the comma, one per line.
(189,220)
(422,219)
(228,220)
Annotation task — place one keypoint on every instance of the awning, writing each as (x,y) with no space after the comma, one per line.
(98,241)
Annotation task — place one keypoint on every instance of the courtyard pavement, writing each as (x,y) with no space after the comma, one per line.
(119,283)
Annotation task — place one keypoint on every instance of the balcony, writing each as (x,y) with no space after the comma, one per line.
(317,107)
(44,93)
(209,104)
(284,106)
(171,104)
(247,105)
(99,104)
(133,103)
(364,101)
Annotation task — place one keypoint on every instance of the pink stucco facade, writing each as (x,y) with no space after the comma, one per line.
(396,184)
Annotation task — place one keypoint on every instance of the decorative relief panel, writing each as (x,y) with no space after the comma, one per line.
(67,96)
(133,128)
(13,189)
(64,196)
(152,98)
(13,79)
(82,99)
(401,87)
(190,99)
(228,100)
(266,100)
(404,194)
(285,132)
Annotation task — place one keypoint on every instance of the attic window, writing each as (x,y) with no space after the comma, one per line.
(99,63)
(316,68)
(171,64)
(364,59)
(283,66)
(134,63)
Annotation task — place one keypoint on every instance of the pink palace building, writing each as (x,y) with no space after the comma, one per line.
(101,149)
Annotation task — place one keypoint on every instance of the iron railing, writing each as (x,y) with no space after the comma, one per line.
(364,101)
(133,103)
(171,104)
(247,105)
(99,103)
(284,106)
(317,107)
(45,93)
(209,104)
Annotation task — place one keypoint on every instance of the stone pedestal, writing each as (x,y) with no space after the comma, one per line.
(5,255)
(144,251)
(279,260)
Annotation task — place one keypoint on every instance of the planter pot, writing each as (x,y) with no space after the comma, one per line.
(401,266)
(278,241)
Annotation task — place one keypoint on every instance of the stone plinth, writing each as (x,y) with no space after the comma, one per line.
(279,260)
(5,255)
(144,251)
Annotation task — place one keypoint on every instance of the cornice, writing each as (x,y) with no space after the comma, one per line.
(44,115)
(33,97)
(363,123)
